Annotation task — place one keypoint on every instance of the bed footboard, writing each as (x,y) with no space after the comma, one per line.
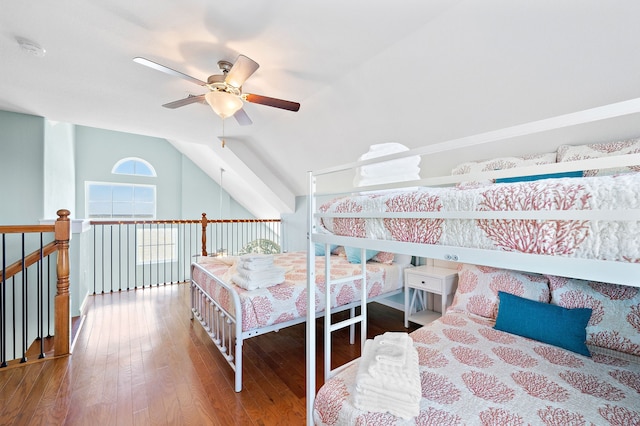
(224,329)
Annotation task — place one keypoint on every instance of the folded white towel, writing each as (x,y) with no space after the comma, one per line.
(388,392)
(391,354)
(406,390)
(256,262)
(252,284)
(257,257)
(262,274)
(373,374)
(393,338)
(398,170)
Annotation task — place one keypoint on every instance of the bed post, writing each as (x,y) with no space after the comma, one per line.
(62,320)
(311,303)
(204,234)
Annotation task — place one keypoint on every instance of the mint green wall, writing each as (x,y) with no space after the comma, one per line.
(21,168)
(98,150)
(38,157)
(183,190)
(59,169)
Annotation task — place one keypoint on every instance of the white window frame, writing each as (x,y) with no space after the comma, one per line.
(137,160)
(88,211)
(147,253)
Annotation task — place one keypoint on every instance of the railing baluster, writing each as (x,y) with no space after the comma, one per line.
(48,296)
(40,296)
(25,306)
(3,305)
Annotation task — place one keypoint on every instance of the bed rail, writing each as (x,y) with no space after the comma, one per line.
(328,184)
(25,295)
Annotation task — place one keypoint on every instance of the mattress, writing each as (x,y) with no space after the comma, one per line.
(473,374)
(287,301)
(614,240)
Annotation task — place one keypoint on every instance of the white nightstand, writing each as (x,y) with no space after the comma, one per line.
(427,280)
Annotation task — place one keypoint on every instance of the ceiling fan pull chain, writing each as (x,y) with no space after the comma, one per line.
(223,142)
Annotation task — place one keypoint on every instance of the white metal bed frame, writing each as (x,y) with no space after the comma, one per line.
(597,270)
(225,328)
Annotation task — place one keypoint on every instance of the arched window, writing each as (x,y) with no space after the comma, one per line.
(133,166)
(110,200)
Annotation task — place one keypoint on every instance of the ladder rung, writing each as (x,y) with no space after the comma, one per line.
(345,279)
(344,323)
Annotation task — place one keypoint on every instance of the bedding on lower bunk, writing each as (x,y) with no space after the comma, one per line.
(516,348)
(471,373)
(593,239)
(287,301)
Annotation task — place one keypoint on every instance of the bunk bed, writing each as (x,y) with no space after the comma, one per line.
(231,313)
(576,218)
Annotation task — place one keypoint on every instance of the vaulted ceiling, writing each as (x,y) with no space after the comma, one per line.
(415,72)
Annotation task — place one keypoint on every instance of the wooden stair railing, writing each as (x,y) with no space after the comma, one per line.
(61,230)
(205,222)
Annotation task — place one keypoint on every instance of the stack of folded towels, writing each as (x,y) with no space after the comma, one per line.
(255,271)
(398,170)
(388,378)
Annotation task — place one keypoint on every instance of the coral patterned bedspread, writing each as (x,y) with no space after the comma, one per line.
(472,374)
(603,239)
(288,301)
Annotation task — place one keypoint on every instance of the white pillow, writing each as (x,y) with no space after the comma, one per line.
(402,259)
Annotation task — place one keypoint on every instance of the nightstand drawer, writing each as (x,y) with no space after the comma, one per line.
(433,285)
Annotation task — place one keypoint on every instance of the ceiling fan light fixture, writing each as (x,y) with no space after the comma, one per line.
(223,103)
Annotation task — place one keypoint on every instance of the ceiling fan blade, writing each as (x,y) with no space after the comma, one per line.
(241,70)
(242,118)
(191,99)
(167,70)
(273,102)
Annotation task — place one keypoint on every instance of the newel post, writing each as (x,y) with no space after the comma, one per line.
(204,234)
(62,341)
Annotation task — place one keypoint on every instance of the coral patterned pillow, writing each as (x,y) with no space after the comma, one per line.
(615,321)
(501,164)
(383,257)
(478,288)
(597,150)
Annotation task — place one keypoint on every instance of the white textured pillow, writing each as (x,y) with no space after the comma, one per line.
(402,259)
(598,150)
(478,287)
(502,163)
(615,320)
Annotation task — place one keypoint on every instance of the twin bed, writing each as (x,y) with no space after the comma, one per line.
(231,314)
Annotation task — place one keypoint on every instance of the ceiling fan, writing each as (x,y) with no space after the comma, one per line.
(225,94)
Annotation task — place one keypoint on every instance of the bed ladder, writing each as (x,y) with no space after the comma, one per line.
(353,319)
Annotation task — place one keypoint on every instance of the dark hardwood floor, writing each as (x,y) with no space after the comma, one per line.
(139,360)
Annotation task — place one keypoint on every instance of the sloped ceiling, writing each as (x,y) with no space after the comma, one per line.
(365,72)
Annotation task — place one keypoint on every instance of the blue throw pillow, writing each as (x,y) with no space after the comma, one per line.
(539,177)
(353,254)
(552,324)
(320,248)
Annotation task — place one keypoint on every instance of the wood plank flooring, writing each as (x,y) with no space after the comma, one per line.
(140,360)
